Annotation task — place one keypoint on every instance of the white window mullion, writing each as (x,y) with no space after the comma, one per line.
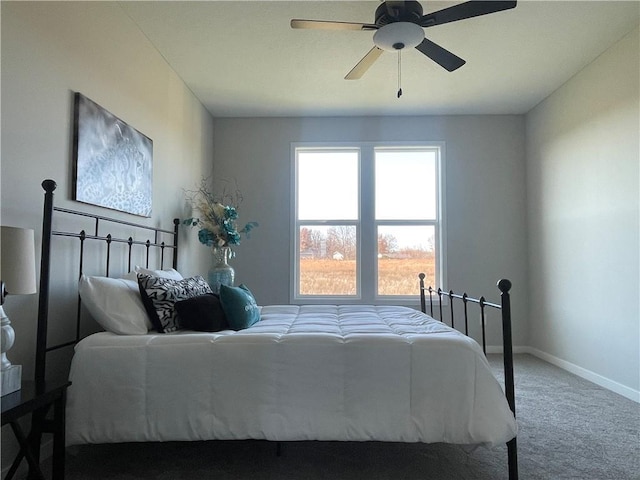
(368,264)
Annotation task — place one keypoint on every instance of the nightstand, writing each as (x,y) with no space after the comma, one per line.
(38,403)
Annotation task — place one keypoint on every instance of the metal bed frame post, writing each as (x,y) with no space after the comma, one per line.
(423,306)
(43,302)
(505,285)
(176,225)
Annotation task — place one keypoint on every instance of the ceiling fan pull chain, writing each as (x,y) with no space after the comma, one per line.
(399,73)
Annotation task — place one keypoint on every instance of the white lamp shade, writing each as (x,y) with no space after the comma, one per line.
(18,260)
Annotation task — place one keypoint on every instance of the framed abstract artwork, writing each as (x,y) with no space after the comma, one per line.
(113,161)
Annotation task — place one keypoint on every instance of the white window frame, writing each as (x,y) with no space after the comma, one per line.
(366,224)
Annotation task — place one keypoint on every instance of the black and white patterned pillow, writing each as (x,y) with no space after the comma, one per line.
(159,296)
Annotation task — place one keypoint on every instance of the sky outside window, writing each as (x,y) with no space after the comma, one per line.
(404,185)
(328,185)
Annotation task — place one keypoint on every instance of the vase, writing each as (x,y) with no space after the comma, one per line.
(221,273)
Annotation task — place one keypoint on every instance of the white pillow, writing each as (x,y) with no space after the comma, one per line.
(115,303)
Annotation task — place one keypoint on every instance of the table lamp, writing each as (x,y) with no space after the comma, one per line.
(17,277)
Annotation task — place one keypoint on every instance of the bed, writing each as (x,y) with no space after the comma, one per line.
(302,372)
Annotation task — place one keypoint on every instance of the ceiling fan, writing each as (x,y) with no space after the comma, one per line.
(399,25)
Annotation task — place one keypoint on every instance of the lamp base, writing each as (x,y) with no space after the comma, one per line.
(11,379)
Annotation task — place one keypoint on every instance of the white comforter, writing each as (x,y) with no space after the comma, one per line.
(301,373)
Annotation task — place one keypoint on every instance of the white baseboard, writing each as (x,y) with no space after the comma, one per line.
(593,377)
(604,382)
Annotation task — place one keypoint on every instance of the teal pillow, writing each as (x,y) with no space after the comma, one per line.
(239,306)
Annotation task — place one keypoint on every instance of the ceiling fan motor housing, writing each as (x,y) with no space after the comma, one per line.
(398,35)
(390,12)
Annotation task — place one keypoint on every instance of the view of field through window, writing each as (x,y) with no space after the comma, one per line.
(403,253)
(330,191)
(328,261)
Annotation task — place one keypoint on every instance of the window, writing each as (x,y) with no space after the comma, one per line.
(367,219)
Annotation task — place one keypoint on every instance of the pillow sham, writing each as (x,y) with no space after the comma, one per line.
(169,273)
(203,313)
(159,296)
(115,304)
(239,306)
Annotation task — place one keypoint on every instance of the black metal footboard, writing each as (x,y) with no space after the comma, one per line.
(504,286)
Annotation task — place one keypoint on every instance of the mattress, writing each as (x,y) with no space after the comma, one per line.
(310,372)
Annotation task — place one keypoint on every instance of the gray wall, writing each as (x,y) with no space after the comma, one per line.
(485,197)
(50,50)
(583,196)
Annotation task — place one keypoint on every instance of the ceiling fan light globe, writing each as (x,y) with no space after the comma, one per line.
(399,33)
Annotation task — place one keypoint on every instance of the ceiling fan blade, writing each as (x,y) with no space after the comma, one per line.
(441,56)
(328,25)
(364,64)
(473,8)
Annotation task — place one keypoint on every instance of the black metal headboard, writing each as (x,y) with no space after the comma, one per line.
(155,243)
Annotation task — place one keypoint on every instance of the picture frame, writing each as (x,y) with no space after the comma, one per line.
(113,162)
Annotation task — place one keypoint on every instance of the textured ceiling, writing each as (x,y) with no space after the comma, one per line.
(241,58)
